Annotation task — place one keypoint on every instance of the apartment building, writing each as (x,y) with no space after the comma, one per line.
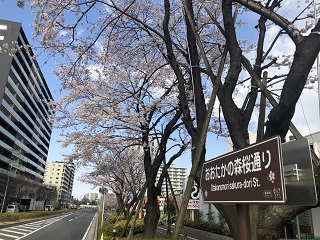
(61,176)
(92,196)
(24,127)
(178,178)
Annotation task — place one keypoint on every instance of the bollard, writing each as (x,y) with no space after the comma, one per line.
(114,233)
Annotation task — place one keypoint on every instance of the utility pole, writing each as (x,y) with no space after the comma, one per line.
(5,192)
(318,61)
(103,191)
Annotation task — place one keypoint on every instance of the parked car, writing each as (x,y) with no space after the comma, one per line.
(13,208)
(49,208)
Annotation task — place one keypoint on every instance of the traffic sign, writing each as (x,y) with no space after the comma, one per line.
(250,175)
(195,193)
(194,201)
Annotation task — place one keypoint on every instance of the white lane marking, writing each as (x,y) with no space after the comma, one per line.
(7,235)
(28,227)
(13,231)
(54,220)
(17,229)
(86,233)
(76,217)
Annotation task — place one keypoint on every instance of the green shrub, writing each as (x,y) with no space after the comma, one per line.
(208,226)
(163,219)
(119,225)
(9,217)
(114,219)
(23,216)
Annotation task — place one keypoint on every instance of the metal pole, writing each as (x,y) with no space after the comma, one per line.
(102,214)
(243,221)
(5,192)
(298,227)
(318,61)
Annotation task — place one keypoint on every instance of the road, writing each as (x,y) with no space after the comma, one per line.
(67,227)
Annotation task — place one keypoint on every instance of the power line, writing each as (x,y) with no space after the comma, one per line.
(308,125)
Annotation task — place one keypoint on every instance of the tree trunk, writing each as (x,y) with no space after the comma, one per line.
(152,213)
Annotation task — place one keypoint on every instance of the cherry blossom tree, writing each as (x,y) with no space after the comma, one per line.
(125,113)
(193,42)
(128,107)
(122,173)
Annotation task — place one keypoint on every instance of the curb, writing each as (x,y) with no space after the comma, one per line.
(208,234)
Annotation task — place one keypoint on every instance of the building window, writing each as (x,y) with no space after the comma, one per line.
(3,27)
(1,37)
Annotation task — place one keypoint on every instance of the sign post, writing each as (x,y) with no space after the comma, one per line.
(250,175)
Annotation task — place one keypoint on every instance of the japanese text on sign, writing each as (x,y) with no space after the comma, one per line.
(247,164)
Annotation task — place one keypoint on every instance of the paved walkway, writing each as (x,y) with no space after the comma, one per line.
(194,234)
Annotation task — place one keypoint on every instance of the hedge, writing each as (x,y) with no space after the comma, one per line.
(114,219)
(208,226)
(23,216)
(119,225)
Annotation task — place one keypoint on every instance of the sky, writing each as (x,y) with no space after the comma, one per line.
(9,11)
(306,119)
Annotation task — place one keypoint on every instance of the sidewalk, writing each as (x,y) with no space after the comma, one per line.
(194,234)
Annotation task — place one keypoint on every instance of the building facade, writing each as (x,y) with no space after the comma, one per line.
(61,176)
(305,225)
(24,127)
(178,178)
(92,196)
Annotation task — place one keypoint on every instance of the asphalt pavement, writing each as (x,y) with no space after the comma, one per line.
(192,234)
(80,225)
(92,231)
